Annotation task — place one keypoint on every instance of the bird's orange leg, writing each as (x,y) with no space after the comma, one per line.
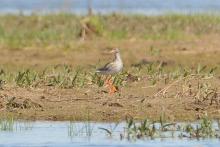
(107,81)
(112,88)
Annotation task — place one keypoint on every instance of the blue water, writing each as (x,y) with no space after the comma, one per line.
(52,134)
(147,7)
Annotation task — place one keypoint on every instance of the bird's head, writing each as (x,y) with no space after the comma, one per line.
(114,51)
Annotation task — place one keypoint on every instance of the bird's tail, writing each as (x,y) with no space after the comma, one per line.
(97,71)
(100,70)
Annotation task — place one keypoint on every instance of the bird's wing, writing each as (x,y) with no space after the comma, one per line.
(107,67)
(110,65)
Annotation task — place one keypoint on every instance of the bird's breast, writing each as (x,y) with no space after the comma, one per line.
(119,66)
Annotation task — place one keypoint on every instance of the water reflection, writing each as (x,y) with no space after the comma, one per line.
(48,133)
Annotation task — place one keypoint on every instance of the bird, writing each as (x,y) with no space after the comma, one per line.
(112,68)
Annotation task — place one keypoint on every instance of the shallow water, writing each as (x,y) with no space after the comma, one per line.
(147,7)
(48,133)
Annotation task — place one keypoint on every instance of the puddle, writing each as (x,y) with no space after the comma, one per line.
(50,133)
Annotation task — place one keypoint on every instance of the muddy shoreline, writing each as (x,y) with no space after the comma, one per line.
(95,104)
(171,67)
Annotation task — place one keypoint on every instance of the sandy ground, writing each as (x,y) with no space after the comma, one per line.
(137,99)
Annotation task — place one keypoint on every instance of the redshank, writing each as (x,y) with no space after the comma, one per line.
(112,68)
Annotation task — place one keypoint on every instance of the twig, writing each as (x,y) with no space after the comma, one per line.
(78,99)
(167,87)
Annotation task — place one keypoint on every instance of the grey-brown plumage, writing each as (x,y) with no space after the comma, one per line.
(113,67)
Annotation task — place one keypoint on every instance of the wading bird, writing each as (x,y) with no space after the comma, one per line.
(112,68)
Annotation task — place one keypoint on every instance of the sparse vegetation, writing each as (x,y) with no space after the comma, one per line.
(133,130)
(151,130)
(64,76)
(10,124)
(7,124)
(61,29)
(170,61)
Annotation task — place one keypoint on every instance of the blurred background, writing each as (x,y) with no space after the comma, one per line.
(147,7)
(72,27)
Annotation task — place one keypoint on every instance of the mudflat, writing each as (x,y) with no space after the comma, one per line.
(175,74)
